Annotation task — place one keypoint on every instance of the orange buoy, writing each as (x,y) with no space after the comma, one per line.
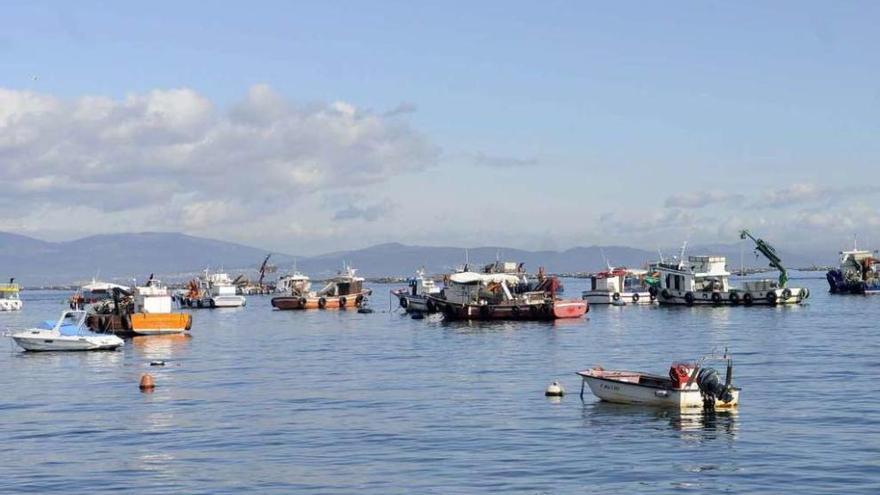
(147,384)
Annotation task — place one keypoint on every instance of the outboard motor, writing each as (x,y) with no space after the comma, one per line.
(712,387)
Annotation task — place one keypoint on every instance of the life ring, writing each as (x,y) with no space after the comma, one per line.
(403,302)
(716,298)
(665,294)
(515,311)
(747,299)
(322,302)
(734,298)
(689,298)
(786,293)
(636,297)
(342,302)
(616,296)
(771,298)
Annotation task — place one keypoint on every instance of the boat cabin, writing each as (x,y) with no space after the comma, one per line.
(152,298)
(472,287)
(698,274)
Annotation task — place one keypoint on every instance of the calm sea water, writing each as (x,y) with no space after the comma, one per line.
(333,402)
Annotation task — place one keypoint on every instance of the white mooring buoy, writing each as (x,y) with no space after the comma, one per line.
(554,390)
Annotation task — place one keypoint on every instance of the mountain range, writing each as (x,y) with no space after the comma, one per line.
(176,257)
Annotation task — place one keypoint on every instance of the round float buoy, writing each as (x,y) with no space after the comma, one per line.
(554,390)
(147,384)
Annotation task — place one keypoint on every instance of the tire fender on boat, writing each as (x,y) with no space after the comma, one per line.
(126,322)
(665,294)
(747,299)
(322,302)
(342,302)
(403,302)
(771,297)
(689,298)
(734,298)
(515,311)
(716,298)
(636,297)
(786,293)
(616,296)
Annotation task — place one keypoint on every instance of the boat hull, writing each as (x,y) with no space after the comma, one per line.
(325,302)
(775,297)
(414,303)
(622,392)
(141,323)
(605,297)
(46,342)
(546,311)
(837,284)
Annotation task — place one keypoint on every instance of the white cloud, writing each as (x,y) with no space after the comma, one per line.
(700,199)
(174,153)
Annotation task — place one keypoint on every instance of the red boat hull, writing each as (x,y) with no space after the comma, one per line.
(533,312)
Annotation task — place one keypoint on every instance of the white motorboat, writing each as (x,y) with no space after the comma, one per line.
(619,285)
(69,333)
(688,385)
(415,298)
(10,299)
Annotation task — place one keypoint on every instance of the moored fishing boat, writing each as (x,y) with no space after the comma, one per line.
(10,296)
(346,290)
(859,273)
(415,298)
(503,296)
(95,296)
(146,310)
(620,285)
(704,280)
(214,290)
(688,385)
(69,333)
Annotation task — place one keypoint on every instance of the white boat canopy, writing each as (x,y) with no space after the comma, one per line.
(483,278)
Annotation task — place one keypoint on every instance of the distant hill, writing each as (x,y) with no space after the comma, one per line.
(176,257)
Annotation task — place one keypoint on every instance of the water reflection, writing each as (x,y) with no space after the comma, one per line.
(694,425)
(160,346)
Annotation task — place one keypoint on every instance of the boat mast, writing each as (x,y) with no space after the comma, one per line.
(770,253)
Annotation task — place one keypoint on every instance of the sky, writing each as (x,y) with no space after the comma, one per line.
(307,127)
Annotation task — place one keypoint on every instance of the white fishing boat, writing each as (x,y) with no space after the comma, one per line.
(69,333)
(10,298)
(704,280)
(619,285)
(213,290)
(294,283)
(688,385)
(414,299)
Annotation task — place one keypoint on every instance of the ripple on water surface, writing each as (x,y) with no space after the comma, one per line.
(339,402)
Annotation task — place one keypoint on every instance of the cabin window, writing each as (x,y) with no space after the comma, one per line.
(678,282)
(669,281)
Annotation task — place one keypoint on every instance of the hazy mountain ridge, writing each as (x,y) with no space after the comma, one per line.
(175,256)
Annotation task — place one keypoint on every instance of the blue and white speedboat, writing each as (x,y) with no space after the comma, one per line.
(69,333)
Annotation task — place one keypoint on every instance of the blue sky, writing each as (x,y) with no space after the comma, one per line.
(532,124)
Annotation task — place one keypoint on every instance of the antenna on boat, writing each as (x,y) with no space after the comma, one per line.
(660,253)
(681,254)
(607,263)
